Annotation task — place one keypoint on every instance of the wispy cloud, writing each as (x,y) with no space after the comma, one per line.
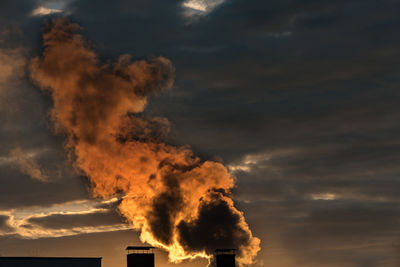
(12,64)
(196,5)
(201,6)
(323,196)
(249,161)
(49,7)
(43,11)
(26,163)
(21,221)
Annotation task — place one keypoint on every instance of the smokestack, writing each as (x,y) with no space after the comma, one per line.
(225,257)
(140,257)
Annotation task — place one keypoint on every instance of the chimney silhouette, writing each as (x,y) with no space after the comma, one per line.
(225,257)
(140,257)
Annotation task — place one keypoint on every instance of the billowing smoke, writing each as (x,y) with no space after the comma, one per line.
(174,199)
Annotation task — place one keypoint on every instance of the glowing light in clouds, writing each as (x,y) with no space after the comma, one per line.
(204,6)
(43,11)
(19,223)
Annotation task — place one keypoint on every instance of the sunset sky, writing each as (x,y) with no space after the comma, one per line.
(298,99)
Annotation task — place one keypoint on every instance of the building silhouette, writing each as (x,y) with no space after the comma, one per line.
(140,257)
(49,262)
(225,257)
(136,257)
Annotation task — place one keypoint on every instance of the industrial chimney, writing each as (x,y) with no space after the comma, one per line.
(140,257)
(225,257)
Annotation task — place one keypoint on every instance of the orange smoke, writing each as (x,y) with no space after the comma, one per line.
(175,200)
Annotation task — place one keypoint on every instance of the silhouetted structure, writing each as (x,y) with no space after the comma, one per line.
(140,257)
(49,262)
(225,257)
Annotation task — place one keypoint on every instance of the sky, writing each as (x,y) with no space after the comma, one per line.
(297,98)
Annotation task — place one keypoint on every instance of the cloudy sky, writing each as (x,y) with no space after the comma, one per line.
(298,98)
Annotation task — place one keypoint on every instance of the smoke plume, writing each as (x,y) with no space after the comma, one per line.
(174,199)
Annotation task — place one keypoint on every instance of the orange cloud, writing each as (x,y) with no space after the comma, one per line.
(177,201)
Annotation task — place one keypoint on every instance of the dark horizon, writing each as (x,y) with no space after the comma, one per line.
(137,256)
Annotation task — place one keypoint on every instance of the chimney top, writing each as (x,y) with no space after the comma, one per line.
(225,251)
(138,248)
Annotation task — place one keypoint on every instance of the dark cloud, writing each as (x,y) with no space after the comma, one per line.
(21,190)
(203,236)
(12,12)
(359,227)
(363,170)
(165,208)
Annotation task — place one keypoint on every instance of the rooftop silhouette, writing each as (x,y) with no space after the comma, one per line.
(49,262)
